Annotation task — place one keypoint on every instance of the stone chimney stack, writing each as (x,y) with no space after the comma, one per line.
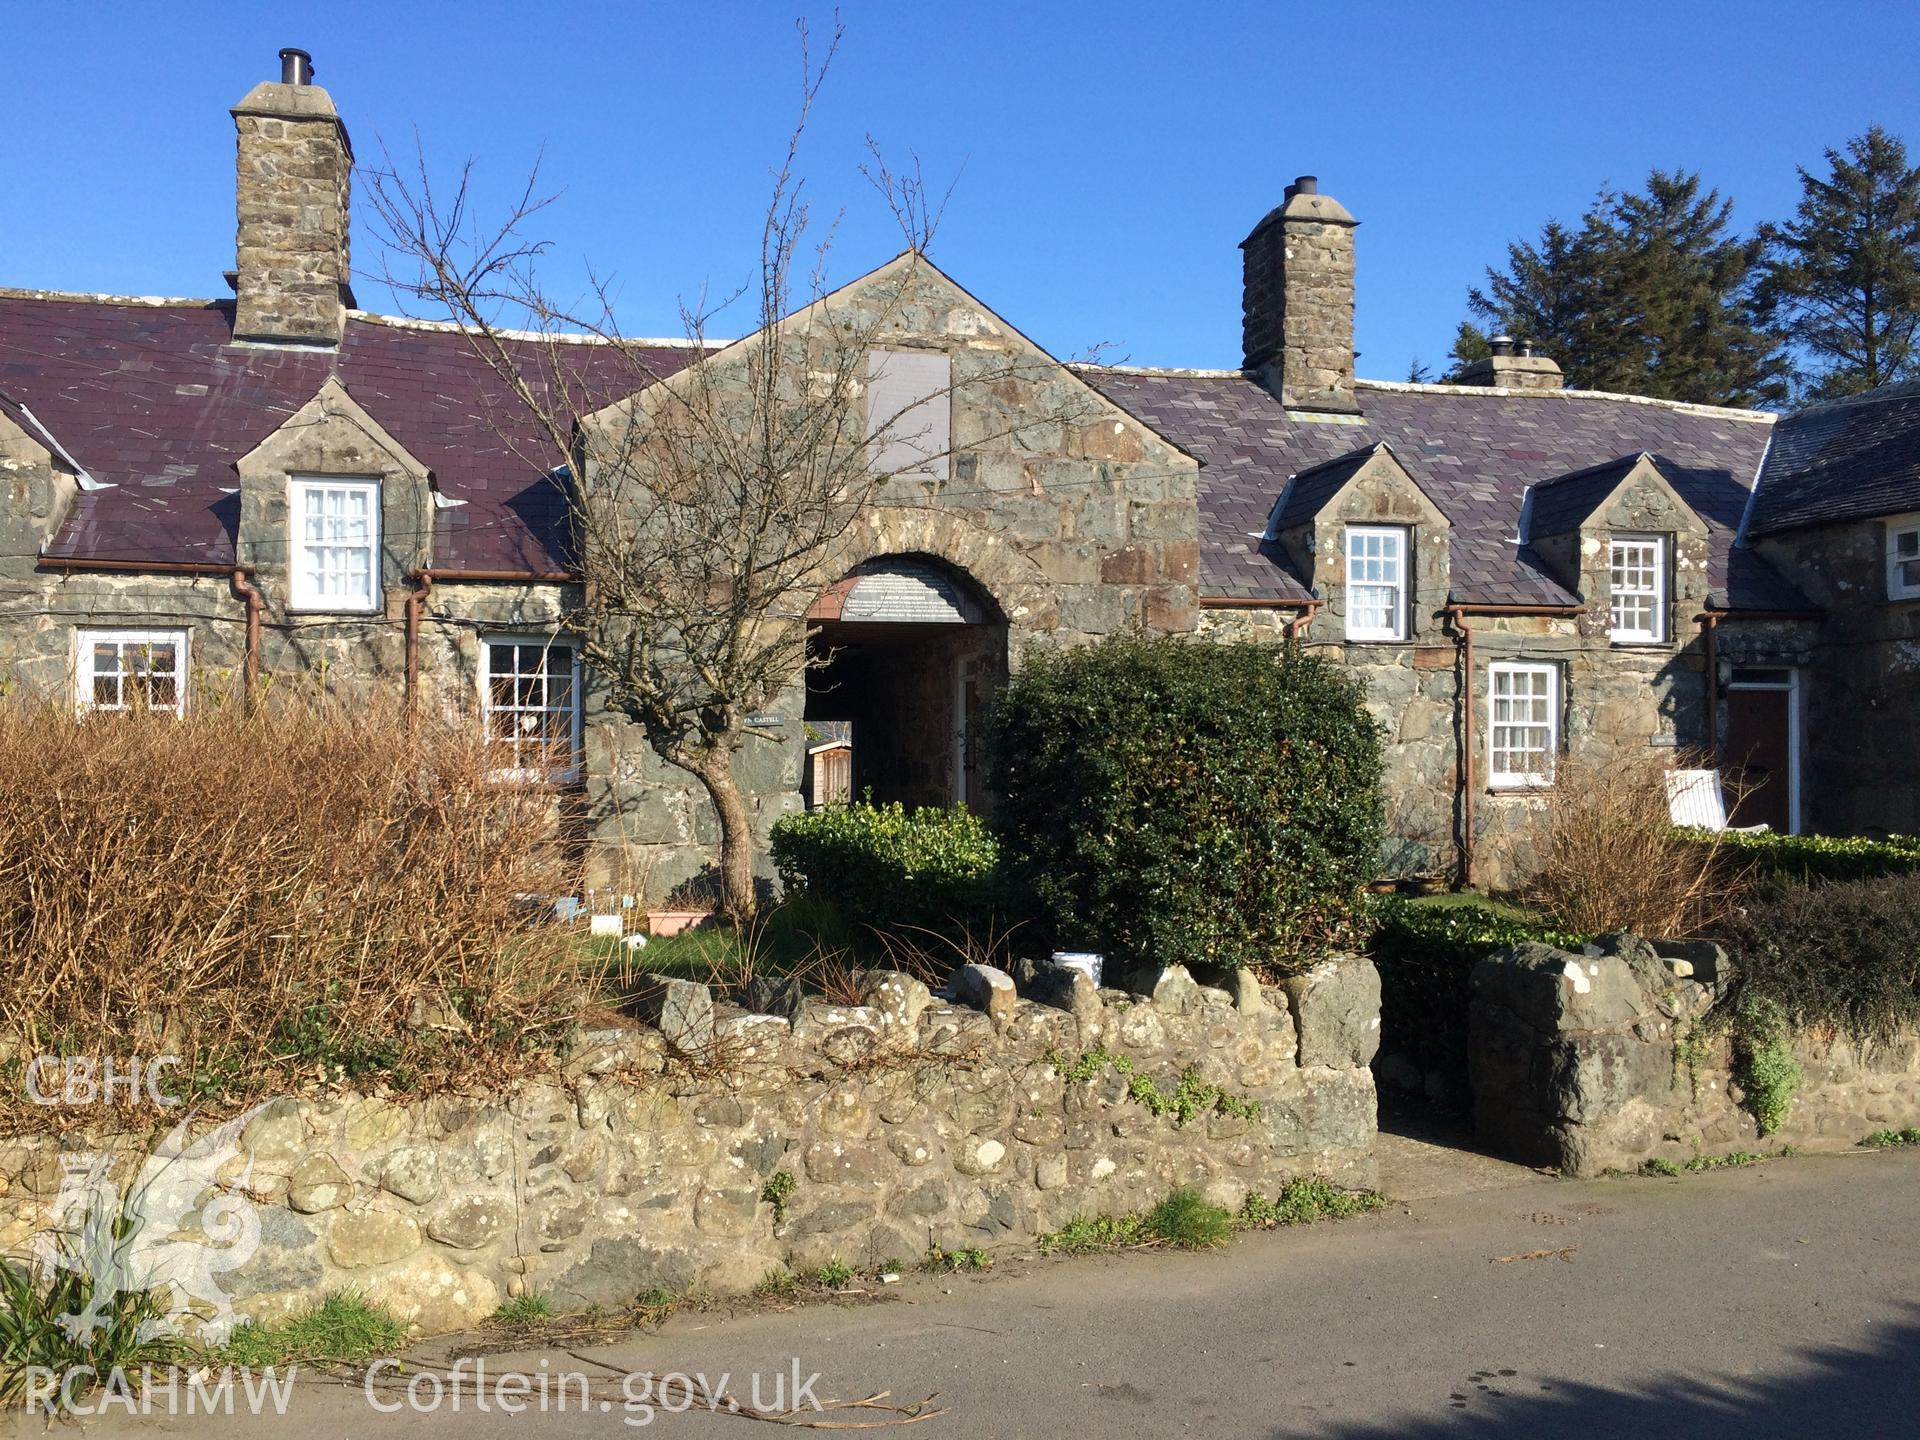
(295,172)
(1297,300)
(1513,366)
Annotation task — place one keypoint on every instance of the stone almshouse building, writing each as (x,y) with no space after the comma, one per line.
(254,486)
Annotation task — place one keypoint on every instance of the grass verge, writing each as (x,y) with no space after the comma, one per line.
(1891,1139)
(1186,1221)
(343,1329)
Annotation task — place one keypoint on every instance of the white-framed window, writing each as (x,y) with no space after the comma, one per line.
(1903,561)
(336,544)
(1376,582)
(131,670)
(530,705)
(1637,589)
(1523,724)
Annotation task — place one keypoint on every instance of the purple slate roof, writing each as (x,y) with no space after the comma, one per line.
(154,400)
(157,403)
(1308,490)
(1849,460)
(1473,452)
(1562,504)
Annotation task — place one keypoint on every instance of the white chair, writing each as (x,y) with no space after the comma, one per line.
(1697,800)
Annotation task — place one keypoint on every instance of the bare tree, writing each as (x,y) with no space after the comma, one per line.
(709,505)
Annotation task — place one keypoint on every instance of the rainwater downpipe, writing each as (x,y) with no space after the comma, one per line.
(249,594)
(416,604)
(1710,634)
(1464,634)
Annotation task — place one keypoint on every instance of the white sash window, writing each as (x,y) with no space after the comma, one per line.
(1523,730)
(336,544)
(1637,590)
(1376,582)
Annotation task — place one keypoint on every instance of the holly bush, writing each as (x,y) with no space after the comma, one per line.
(889,867)
(1166,801)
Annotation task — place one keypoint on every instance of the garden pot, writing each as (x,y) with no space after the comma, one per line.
(672,922)
(1085,961)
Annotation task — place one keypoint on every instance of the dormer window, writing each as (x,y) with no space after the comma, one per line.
(336,544)
(1903,562)
(1637,589)
(1376,582)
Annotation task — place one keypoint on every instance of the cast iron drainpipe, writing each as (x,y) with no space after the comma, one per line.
(1464,631)
(249,594)
(240,576)
(416,604)
(1710,633)
(423,579)
(1457,613)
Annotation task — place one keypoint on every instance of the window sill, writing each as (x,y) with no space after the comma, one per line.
(1637,642)
(377,608)
(1542,787)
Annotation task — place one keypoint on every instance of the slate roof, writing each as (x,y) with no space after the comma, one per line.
(1560,505)
(1305,492)
(1848,460)
(1473,451)
(155,401)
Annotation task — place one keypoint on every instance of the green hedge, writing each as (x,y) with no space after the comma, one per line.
(1179,803)
(1844,954)
(1425,955)
(1777,860)
(888,867)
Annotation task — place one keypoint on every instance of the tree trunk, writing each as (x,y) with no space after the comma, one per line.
(737,896)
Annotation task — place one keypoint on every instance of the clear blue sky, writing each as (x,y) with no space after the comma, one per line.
(1109,156)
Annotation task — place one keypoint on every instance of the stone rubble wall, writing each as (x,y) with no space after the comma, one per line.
(903,1122)
(1605,1059)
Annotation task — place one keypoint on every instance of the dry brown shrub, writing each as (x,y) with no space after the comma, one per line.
(931,956)
(1610,859)
(310,892)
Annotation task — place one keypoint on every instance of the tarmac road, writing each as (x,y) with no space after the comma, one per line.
(1783,1299)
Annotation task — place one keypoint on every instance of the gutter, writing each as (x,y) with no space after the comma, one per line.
(1550,610)
(1245,602)
(1720,613)
(241,577)
(150,567)
(549,577)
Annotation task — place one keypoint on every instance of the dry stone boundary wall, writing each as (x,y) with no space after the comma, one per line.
(910,1120)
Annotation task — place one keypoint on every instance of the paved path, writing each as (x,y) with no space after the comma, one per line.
(1780,1300)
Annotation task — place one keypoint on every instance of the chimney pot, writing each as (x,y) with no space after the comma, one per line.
(1306,185)
(1512,365)
(296,67)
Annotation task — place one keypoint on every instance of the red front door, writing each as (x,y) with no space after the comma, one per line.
(1759,757)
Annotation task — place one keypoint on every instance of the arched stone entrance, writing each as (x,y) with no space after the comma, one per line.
(907,652)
